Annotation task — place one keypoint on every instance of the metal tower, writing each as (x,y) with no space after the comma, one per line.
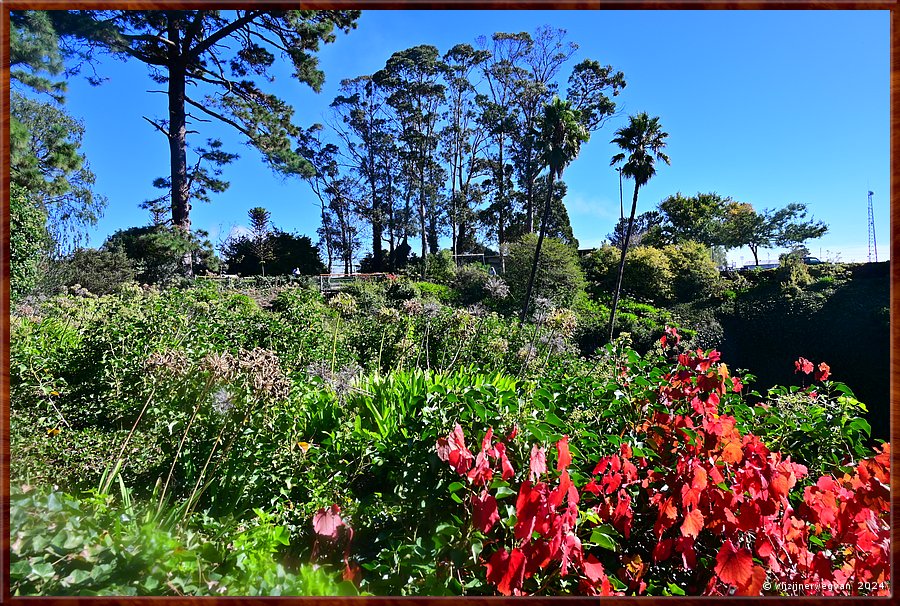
(873,247)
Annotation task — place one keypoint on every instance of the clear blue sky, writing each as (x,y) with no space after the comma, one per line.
(767,107)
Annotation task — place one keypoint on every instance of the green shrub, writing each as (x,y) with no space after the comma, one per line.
(402,289)
(28,241)
(695,275)
(100,272)
(440,268)
(470,281)
(438,292)
(64,545)
(793,274)
(558,278)
(648,275)
(369,294)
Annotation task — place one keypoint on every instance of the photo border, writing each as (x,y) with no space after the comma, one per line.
(9,5)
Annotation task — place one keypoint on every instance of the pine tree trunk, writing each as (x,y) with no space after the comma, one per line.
(537,251)
(616,294)
(181,206)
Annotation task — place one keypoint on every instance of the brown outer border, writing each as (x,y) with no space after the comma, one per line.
(5,7)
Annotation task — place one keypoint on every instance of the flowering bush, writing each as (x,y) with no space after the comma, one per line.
(690,501)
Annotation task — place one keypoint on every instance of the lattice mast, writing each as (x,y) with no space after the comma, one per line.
(873,246)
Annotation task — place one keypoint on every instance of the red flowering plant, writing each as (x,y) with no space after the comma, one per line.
(688,505)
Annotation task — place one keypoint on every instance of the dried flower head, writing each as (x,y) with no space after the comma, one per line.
(555,343)
(477,310)
(222,401)
(223,366)
(432,309)
(496,287)
(340,382)
(388,315)
(173,361)
(527,353)
(412,307)
(263,371)
(543,307)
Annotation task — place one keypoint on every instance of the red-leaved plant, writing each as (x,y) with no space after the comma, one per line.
(707,507)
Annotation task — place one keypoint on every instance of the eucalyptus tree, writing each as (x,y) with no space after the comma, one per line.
(222,54)
(464,140)
(547,51)
(411,78)
(642,143)
(323,181)
(503,71)
(364,127)
(589,88)
(561,134)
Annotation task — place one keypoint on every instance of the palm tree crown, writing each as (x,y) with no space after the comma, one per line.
(562,134)
(644,141)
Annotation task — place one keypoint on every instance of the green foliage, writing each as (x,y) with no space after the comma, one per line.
(259,236)
(648,275)
(45,160)
(100,272)
(823,428)
(438,292)
(696,218)
(288,251)
(34,52)
(793,274)
(252,418)
(441,268)
(64,545)
(469,283)
(682,272)
(27,242)
(558,278)
(695,275)
(157,251)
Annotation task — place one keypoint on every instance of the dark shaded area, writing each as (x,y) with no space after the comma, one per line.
(845,324)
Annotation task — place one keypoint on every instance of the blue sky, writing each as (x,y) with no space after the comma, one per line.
(767,107)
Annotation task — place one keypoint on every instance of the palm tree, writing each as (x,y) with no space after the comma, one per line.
(561,135)
(644,141)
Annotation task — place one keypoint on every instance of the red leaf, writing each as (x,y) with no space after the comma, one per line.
(482,473)
(486,443)
(564,459)
(733,564)
(823,373)
(459,457)
(593,569)
(803,365)
(693,524)
(557,494)
(569,551)
(538,462)
(530,505)
(484,511)
(663,550)
(755,585)
(506,571)
(505,466)
(732,452)
(326,522)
